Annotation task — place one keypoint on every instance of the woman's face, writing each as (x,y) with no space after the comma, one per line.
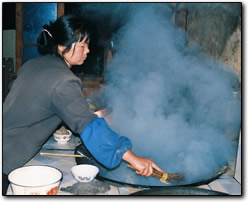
(77,54)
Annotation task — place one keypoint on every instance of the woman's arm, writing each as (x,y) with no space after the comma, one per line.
(144,166)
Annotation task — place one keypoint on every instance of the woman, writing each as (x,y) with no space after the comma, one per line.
(46,92)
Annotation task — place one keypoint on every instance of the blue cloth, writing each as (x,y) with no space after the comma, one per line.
(104,144)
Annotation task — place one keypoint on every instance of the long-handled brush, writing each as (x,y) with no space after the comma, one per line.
(165,177)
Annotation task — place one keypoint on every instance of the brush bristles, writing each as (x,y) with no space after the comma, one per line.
(176,177)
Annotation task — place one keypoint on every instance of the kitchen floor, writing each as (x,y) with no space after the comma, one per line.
(229,183)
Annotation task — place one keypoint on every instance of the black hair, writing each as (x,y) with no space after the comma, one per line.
(64,31)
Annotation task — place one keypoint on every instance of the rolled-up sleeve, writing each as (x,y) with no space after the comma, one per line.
(104,144)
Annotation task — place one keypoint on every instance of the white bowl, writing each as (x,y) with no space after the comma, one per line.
(62,138)
(84,172)
(35,180)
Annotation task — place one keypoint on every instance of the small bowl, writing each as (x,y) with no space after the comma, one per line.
(35,180)
(62,138)
(84,172)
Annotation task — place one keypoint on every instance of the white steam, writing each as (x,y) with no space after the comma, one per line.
(175,104)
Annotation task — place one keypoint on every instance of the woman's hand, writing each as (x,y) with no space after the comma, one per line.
(106,114)
(143,166)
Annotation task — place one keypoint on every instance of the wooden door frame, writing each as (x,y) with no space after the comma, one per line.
(19,31)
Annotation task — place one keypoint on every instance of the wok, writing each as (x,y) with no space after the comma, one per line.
(122,175)
(175,191)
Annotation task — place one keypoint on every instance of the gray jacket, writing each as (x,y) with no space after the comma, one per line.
(44,93)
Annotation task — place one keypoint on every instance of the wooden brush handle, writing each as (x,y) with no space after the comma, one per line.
(156,173)
(164,176)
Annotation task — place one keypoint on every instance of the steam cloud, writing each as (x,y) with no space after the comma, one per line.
(176,104)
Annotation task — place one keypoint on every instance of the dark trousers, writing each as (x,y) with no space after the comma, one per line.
(5,184)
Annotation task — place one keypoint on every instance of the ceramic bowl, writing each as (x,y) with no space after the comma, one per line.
(35,180)
(62,138)
(84,172)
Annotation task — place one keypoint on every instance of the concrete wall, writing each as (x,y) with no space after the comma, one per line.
(9,45)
